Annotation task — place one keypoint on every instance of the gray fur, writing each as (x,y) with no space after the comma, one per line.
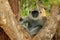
(35,24)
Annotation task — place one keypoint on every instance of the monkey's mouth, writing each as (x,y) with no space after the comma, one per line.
(35,13)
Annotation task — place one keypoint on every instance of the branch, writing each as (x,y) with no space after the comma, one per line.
(9,23)
(15,7)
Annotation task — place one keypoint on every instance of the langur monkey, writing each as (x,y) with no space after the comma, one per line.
(33,22)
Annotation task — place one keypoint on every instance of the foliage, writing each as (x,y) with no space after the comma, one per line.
(27,5)
(55,2)
(31,4)
(47,6)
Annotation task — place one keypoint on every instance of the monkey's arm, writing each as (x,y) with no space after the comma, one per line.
(24,22)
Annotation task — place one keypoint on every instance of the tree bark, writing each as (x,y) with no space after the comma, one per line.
(15,7)
(57,35)
(9,23)
(3,35)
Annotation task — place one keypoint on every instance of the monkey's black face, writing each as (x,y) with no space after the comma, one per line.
(35,14)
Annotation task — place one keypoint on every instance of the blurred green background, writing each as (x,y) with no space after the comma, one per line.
(28,5)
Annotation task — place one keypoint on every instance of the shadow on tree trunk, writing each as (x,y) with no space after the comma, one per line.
(3,35)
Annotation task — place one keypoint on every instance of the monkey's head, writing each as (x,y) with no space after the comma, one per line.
(34,15)
(37,14)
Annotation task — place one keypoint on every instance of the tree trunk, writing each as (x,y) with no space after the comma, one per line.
(57,35)
(9,23)
(3,35)
(15,7)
